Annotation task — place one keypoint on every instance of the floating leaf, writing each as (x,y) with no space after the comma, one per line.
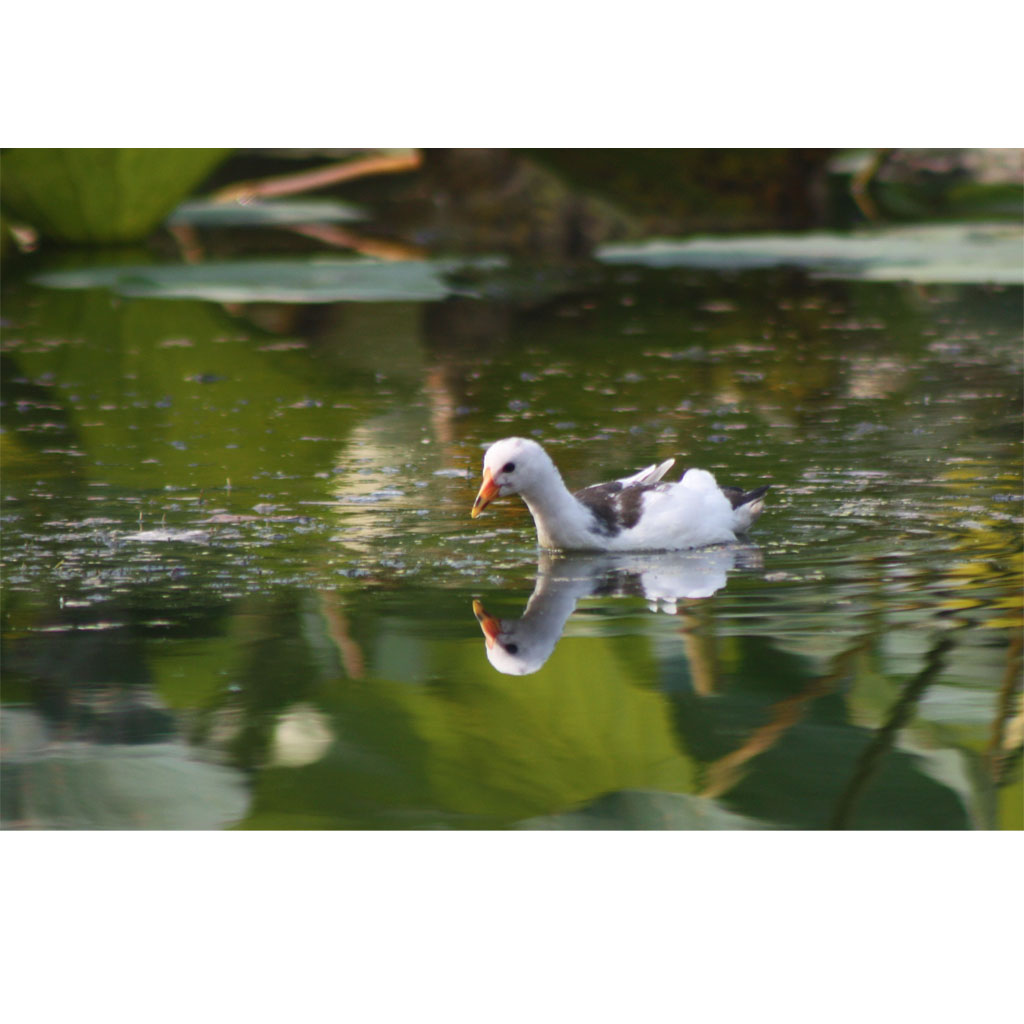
(322,279)
(206,213)
(925,254)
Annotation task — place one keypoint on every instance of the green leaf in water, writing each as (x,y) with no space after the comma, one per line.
(310,280)
(924,254)
(207,213)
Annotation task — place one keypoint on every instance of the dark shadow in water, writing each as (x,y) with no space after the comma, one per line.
(768,768)
(869,763)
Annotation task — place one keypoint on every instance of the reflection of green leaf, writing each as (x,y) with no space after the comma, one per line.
(270,213)
(319,279)
(481,748)
(183,397)
(1011,806)
(956,253)
(647,810)
(100,195)
(194,677)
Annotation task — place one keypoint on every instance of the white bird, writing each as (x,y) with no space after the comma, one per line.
(636,513)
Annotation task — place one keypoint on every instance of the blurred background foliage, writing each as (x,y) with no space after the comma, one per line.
(552,203)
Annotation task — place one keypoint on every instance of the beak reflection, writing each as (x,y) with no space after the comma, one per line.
(490,625)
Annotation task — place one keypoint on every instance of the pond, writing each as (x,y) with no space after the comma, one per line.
(242,587)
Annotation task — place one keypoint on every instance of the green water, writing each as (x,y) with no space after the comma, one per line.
(239,571)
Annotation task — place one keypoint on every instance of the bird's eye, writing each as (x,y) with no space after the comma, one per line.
(512,648)
(509,467)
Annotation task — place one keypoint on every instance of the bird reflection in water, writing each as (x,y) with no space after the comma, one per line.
(522,646)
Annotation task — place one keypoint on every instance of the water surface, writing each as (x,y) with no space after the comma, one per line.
(242,587)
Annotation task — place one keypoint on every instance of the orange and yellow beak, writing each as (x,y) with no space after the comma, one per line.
(487,493)
(488,623)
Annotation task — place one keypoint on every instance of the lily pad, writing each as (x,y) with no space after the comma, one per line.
(205,213)
(321,279)
(924,254)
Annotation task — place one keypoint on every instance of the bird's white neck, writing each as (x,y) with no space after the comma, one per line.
(561,521)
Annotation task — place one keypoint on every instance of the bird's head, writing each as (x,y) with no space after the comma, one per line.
(511,466)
